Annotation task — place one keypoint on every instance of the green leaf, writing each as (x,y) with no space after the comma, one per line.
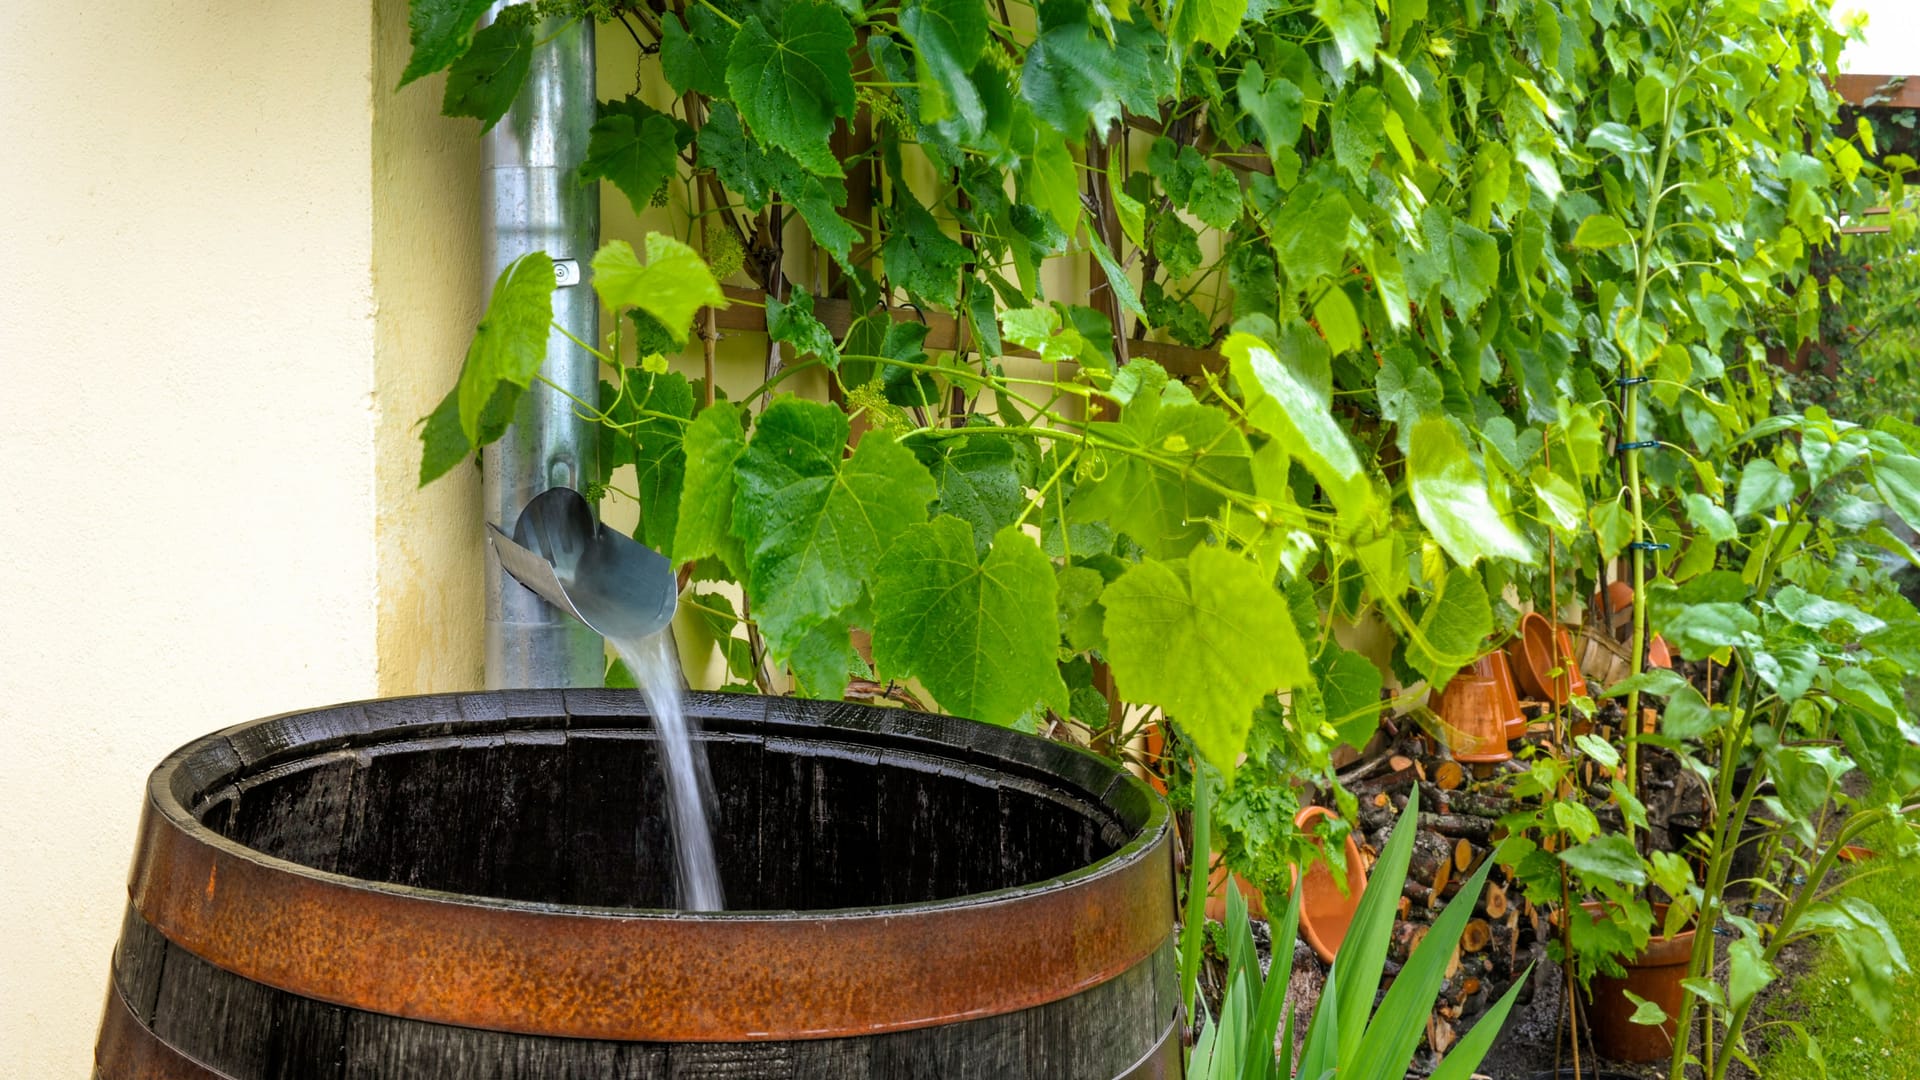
(1700,629)
(976,479)
(1711,518)
(1350,690)
(1612,526)
(634,148)
(1762,487)
(1216,198)
(792,87)
(1219,613)
(754,172)
(1601,231)
(510,343)
(1149,493)
(1071,78)
(1359,123)
(483,82)
(948,37)
(713,444)
(1275,105)
(1452,628)
(1748,972)
(444,445)
(439,31)
(1688,715)
(1049,180)
(674,284)
(1644,1011)
(651,443)
(1214,22)
(1564,505)
(793,322)
(1458,258)
(694,56)
(1310,232)
(815,522)
(1607,857)
(1451,497)
(919,257)
(1355,27)
(1284,403)
(1338,321)
(1898,480)
(979,635)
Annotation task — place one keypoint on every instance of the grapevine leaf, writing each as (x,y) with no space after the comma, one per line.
(791,88)
(977,481)
(1463,261)
(948,37)
(444,445)
(440,31)
(1310,232)
(1451,628)
(485,80)
(1359,131)
(694,56)
(1601,231)
(919,257)
(1284,403)
(1219,613)
(1350,693)
(1214,22)
(1608,857)
(634,148)
(1762,487)
(713,445)
(1275,104)
(1072,79)
(980,635)
(1451,497)
(815,521)
(793,322)
(653,444)
(753,172)
(1162,489)
(1355,28)
(673,284)
(510,343)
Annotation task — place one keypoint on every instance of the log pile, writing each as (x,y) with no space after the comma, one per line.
(1458,829)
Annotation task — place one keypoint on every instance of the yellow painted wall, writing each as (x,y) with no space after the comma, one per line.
(428,288)
(186,431)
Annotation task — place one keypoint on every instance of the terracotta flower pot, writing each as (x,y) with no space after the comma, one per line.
(1494,667)
(1617,596)
(1855,853)
(1325,911)
(1544,649)
(1658,654)
(1473,718)
(1653,975)
(1217,875)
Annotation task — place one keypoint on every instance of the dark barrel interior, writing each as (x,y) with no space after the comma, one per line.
(798,825)
(506,862)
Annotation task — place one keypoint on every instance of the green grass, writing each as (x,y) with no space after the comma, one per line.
(1854,1047)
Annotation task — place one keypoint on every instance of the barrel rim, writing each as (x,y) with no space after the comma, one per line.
(283,923)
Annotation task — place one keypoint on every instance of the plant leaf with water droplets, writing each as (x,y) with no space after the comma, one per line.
(510,343)
(815,522)
(440,31)
(791,87)
(485,80)
(1451,496)
(980,634)
(714,443)
(1221,615)
(673,284)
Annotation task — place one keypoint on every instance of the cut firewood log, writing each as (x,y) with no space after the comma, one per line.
(1493,901)
(1430,851)
(1453,963)
(1418,893)
(1441,877)
(1449,775)
(1406,938)
(1404,909)
(1477,829)
(1475,936)
(1463,853)
(1397,780)
(1440,1035)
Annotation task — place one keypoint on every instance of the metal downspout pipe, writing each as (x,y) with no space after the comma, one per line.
(533,202)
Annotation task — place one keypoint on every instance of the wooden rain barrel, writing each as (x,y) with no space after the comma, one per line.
(476,886)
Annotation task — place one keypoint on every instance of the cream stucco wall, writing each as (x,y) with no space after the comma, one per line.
(186,429)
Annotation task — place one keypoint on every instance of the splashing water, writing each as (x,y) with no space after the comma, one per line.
(683,762)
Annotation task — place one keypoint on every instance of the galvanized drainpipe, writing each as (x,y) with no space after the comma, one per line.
(533,202)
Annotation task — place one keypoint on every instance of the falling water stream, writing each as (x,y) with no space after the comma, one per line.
(683,762)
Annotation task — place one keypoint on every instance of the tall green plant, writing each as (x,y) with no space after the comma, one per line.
(1347,1037)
